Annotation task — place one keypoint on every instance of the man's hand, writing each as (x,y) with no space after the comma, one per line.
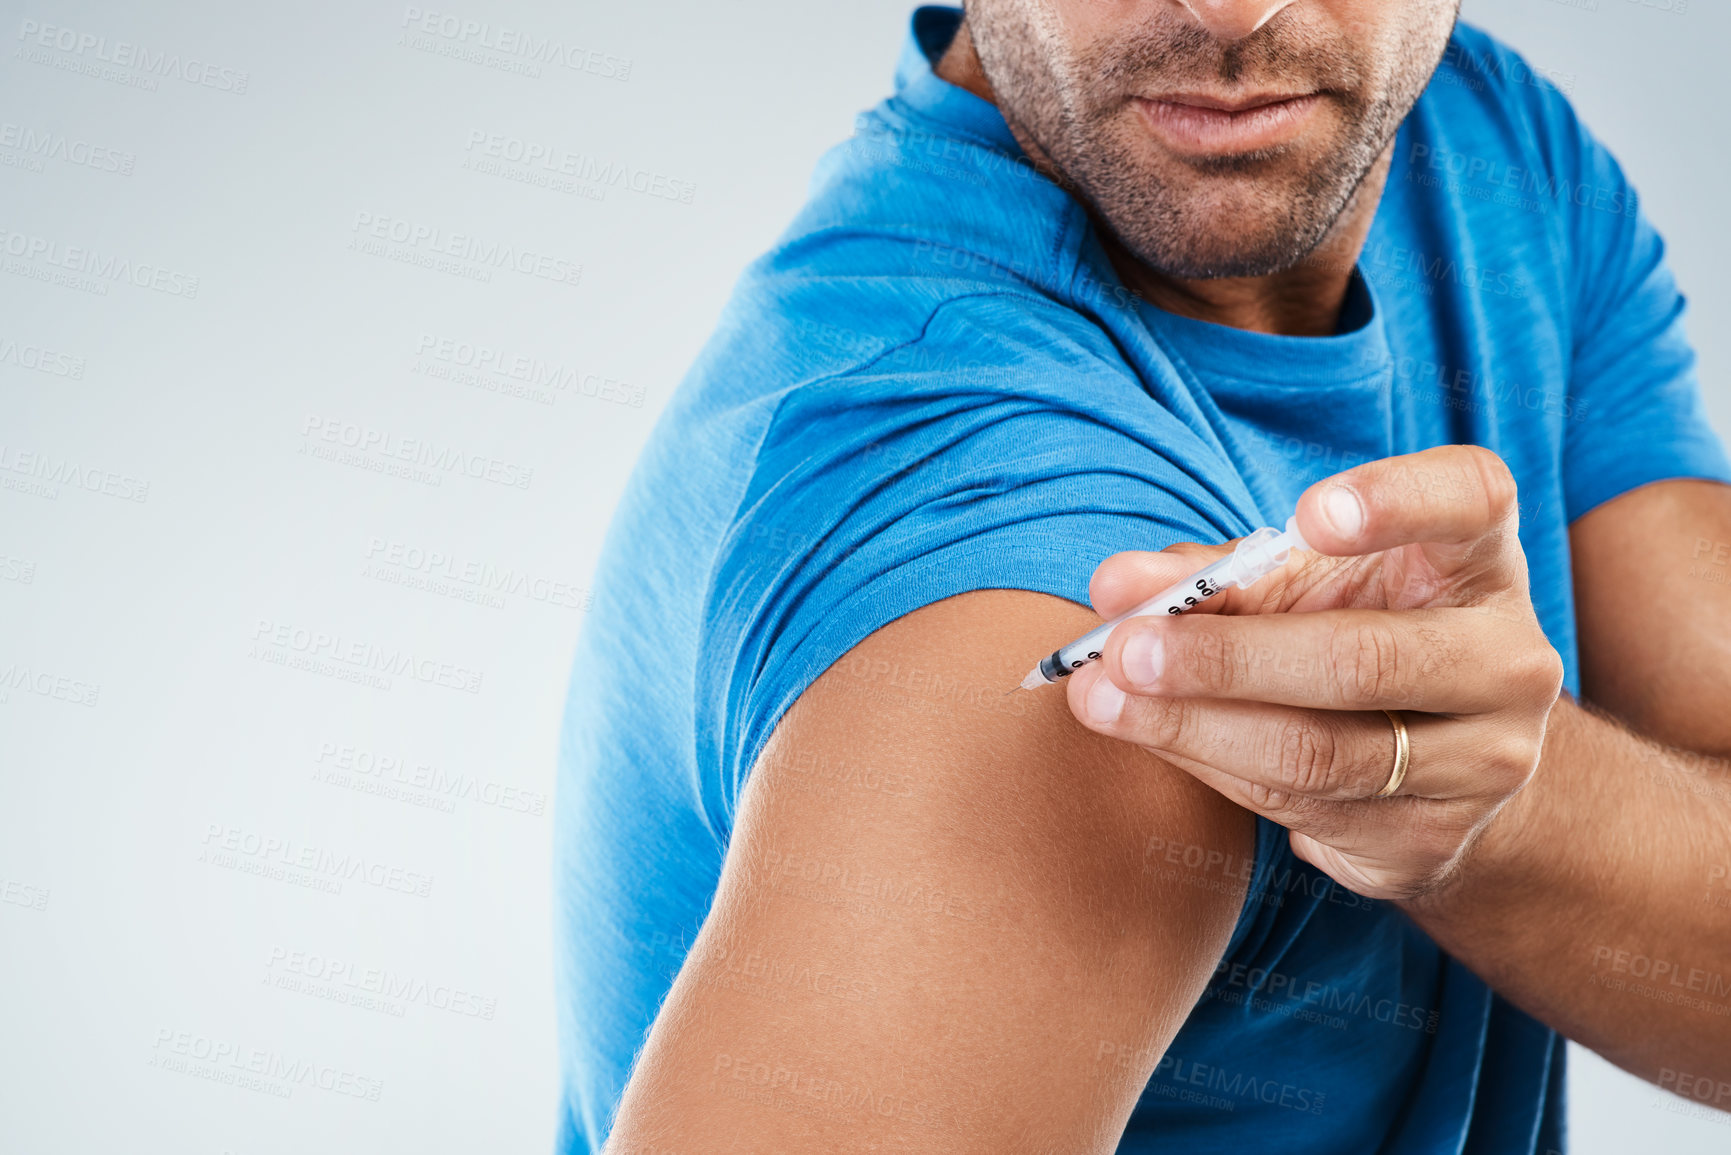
(1415,602)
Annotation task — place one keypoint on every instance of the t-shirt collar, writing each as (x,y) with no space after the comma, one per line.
(1359,355)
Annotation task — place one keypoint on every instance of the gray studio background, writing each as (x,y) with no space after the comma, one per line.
(261,634)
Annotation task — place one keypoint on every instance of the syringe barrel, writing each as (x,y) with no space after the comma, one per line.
(1175,599)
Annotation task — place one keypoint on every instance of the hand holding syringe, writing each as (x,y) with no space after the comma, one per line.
(1255,557)
(1412,682)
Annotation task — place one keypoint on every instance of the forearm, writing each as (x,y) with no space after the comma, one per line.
(1599,899)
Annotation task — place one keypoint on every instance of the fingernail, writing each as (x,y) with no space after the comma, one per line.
(1143,657)
(1105,701)
(1344,511)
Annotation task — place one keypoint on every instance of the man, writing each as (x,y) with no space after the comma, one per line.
(1322,869)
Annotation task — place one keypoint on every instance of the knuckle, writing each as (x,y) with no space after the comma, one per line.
(1515,757)
(1533,673)
(1507,751)
(1161,723)
(1496,480)
(1308,754)
(1435,652)
(1213,664)
(1548,673)
(1366,661)
(1271,800)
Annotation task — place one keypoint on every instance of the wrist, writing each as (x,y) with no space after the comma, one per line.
(1482,868)
(1505,858)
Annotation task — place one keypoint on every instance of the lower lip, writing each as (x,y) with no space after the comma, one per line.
(1190,128)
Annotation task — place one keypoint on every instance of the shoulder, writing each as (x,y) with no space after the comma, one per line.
(909,216)
(1494,117)
(1495,162)
(819,362)
(1475,60)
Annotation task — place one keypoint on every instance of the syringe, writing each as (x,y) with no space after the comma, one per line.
(1255,557)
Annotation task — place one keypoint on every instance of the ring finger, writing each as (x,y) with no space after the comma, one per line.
(1322,754)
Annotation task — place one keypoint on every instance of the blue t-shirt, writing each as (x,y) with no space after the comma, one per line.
(935,383)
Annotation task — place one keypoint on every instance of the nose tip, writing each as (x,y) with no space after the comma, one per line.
(1231,20)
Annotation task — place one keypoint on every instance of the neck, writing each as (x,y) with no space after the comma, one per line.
(1302,301)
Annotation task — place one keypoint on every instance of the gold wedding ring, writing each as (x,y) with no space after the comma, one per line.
(1402,756)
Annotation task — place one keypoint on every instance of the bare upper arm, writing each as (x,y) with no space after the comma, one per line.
(1652,572)
(934,930)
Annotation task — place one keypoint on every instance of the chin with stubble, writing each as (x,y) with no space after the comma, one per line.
(1206,158)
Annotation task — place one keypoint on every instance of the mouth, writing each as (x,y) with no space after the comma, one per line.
(1202,124)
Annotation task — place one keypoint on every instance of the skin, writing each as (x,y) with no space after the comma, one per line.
(1269,694)
(1023,1004)
(1574,887)
(994,957)
(1264,239)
